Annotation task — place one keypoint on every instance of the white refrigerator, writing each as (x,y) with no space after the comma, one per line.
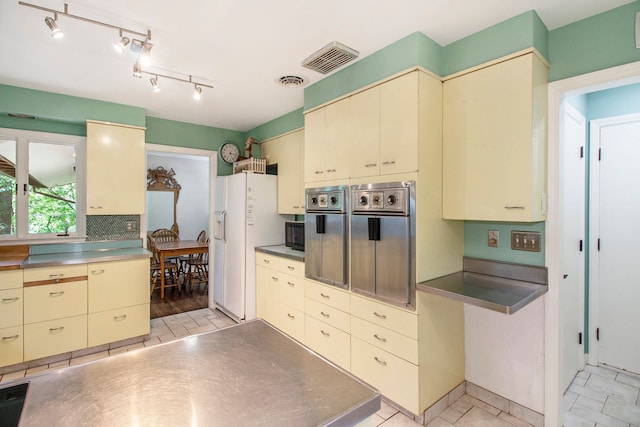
(246,216)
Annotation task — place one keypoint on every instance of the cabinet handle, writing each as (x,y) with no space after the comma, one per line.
(296,207)
(119,318)
(331,170)
(319,172)
(8,300)
(10,338)
(325,314)
(370,165)
(514,207)
(95,207)
(290,267)
(291,284)
(266,261)
(380,361)
(56,294)
(389,162)
(382,339)
(291,316)
(97,271)
(56,330)
(326,334)
(381,316)
(274,278)
(56,276)
(324,296)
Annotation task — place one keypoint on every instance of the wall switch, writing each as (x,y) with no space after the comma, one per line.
(494,238)
(133,225)
(526,241)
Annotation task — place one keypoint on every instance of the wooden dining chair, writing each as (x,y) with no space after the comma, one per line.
(198,269)
(170,269)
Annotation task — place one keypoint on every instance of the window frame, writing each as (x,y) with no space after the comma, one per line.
(22,139)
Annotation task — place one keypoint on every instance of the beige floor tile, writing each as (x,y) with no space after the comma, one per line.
(573,420)
(480,404)
(601,371)
(451,415)
(487,397)
(598,417)
(629,379)
(203,321)
(439,422)
(568,400)
(477,417)
(10,376)
(151,342)
(88,358)
(386,411)
(36,369)
(202,329)
(612,388)
(223,322)
(167,338)
(622,410)
(589,403)
(592,394)
(513,420)
(61,364)
(400,420)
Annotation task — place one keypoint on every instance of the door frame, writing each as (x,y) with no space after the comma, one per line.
(213,172)
(558,91)
(594,229)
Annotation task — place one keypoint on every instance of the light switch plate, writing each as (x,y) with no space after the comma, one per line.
(526,240)
(493,239)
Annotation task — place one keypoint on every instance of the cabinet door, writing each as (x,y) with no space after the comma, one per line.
(11,345)
(271,151)
(267,282)
(55,337)
(314,145)
(116,176)
(55,301)
(119,324)
(118,284)
(399,125)
(330,342)
(11,307)
(290,174)
(364,147)
(291,322)
(337,139)
(11,279)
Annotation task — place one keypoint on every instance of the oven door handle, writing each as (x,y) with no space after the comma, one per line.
(321,224)
(374,228)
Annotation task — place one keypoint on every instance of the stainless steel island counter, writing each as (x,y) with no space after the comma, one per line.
(245,375)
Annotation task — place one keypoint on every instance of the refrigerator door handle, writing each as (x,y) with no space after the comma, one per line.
(220,232)
(321,221)
(374,228)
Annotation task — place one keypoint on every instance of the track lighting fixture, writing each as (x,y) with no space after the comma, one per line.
(56,32)
(197,92)
(145,55)
(154,83)
(137,69)
(122,44)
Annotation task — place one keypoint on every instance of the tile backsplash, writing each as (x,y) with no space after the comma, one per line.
(111,227)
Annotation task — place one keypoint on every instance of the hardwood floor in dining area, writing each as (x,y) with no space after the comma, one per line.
(175,302)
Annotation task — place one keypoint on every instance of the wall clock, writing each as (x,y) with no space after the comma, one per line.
(229,153)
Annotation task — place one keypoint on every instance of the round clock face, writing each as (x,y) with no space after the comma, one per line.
(229,152)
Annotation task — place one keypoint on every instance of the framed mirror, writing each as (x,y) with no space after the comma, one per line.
(162,199)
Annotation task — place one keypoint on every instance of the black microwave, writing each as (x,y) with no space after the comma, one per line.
(294,235)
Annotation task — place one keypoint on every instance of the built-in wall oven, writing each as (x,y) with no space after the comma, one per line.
(325,232)
(382,245)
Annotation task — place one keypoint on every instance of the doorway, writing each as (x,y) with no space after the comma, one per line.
(193,170)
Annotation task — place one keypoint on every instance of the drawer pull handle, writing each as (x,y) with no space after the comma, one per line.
(56,276)
(370,165)
(290,267)
(325,314)
(96,207)
(10,338)
(291,284)
(514,207)
(56,330)
(9,300)
(324,296)
(389,162)
(382,339)
(291,316)
(97,271)
(56,294)
(380,361)
(274,278)
(319,172)
(331,170)
(326,334)
(381,316)
(119,318)
(266,261)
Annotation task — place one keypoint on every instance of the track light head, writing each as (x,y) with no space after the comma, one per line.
(137,70)
(145,55)
(56,32)
(154,84)
(122,44)
(197,92)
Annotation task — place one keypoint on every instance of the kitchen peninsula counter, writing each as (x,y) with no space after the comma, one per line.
(282,251)
(248,374)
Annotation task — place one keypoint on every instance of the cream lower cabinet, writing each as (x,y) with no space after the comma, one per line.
(494,142)
(55,310)
(11,317)
(287,151)
(116,175)
(118,298)
(267,280)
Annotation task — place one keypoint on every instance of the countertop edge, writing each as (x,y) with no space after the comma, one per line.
(281,251)
(86,257)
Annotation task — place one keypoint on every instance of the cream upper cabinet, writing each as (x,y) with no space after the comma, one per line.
(494,142)
(116,176)
(287,151)
(314,146)
(364,147)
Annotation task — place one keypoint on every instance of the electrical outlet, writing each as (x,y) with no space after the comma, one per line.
(494,238)
(526,241)
(133,225)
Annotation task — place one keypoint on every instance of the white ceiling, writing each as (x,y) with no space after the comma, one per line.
(239,47)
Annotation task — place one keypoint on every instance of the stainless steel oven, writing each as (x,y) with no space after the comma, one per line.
(383,234)
(325,232)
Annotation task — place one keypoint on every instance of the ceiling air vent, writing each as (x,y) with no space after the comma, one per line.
(330,57)
(291,81)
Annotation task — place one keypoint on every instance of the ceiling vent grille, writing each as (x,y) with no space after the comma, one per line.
(291,81)
(330,57)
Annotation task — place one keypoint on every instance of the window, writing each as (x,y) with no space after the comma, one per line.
(42,192)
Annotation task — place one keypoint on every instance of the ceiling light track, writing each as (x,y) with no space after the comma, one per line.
(66,13)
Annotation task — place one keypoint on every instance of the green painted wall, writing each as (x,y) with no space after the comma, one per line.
(595,43)
(476,236)
(283,124)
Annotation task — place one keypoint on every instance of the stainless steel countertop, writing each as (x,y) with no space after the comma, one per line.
(84,257)
(498,286)
(283,251)
(248,374)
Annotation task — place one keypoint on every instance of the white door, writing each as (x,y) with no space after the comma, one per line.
(615,224)
(219,240)
(235,262)
(572,182)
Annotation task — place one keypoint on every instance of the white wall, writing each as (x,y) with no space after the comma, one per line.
(192,173)
(505,353)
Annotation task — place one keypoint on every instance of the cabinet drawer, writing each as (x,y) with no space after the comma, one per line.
(267,260)
(386,339)
(11,308)
(325,313)
(293,267)
(291,322)
(11,342)
(119,324)
(292,291)
(54,337)
(386,316)
(54,273)
(48,302)
(328,341)
(396,378)
(329,295)
(11,279)
(118,284)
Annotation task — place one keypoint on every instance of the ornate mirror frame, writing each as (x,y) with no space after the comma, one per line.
(160,179)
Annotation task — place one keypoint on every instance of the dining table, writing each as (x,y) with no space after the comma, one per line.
(178,248)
